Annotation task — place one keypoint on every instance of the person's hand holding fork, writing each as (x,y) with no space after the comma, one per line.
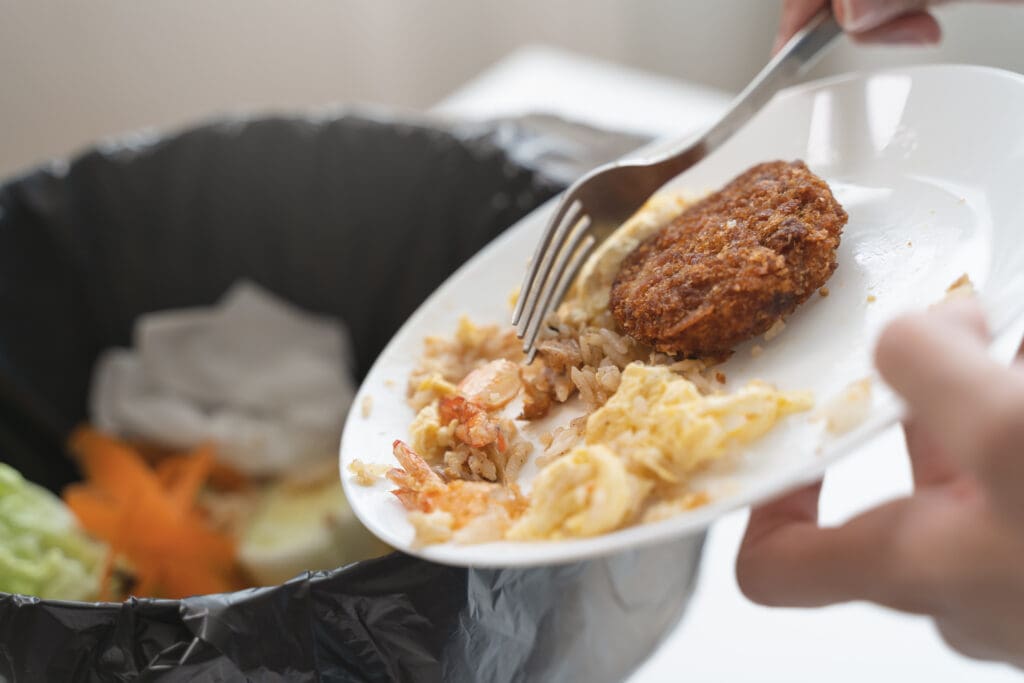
(867,21)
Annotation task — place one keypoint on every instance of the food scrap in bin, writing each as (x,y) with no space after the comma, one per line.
(212,466)
(149,518)
(43,551)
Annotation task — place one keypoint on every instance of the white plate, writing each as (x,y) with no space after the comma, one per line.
(929,164)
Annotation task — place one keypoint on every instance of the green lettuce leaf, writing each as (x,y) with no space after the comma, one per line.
(42,550)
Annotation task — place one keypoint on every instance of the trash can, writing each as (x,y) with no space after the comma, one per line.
(354,216)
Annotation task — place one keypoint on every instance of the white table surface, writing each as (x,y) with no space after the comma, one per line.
(723,636)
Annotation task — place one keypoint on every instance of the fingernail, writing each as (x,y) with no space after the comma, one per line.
(842,10)
(858,16)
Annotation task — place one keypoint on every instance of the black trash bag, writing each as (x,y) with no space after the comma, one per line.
(354,217)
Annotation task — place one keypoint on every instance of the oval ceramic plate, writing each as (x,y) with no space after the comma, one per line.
(929,164)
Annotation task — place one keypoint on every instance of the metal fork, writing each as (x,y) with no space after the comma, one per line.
(596,204)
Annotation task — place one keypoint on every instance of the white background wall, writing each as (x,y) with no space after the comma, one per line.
(76,70)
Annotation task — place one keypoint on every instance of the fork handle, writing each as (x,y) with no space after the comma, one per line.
(794,59)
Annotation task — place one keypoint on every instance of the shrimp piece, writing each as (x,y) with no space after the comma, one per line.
(493,385)
(474,427)
(420,489)
(414,478)
(415,473)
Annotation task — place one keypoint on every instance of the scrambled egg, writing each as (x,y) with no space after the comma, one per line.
(587,299)
(430,438)
(656,429)
(585,493)
(668,429)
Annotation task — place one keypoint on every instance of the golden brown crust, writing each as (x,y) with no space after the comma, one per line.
(733,264)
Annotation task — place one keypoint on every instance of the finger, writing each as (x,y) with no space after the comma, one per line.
(795,13)
(930,358)
(939,363)
(916,28)
(800,505)
(796,563)
(929,464)
(857,16)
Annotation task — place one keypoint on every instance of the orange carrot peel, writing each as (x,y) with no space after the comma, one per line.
(149,516)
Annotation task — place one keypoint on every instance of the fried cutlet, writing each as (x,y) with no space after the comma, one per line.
(733,264)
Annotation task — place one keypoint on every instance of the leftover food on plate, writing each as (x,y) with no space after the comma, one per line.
(641,446)
(632,352)
(730,266)
(960,288)
(367,473)
(845,412)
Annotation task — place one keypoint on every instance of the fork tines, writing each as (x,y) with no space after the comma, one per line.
(560,254)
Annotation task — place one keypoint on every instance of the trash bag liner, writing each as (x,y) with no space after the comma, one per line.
(358,216)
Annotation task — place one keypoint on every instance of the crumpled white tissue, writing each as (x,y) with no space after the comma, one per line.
(264,381)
